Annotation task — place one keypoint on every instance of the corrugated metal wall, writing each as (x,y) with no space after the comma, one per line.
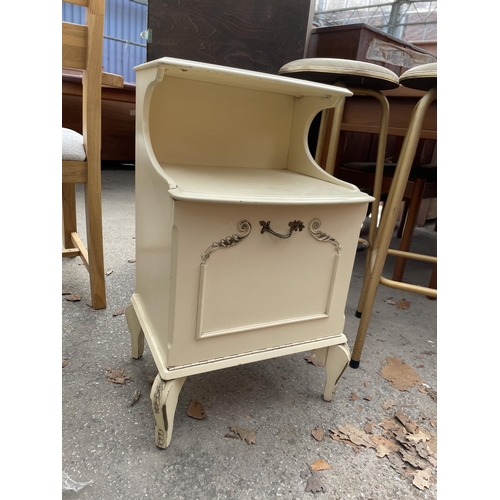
(124,21)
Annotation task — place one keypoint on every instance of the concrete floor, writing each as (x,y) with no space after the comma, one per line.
(108,447)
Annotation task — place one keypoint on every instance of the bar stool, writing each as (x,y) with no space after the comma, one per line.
(422,77)
(361,78)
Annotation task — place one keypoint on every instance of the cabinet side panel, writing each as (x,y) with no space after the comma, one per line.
(155,252)
(155,238)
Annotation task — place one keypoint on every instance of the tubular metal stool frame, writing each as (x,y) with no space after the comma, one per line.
(380,249)
(380,161)
(343,72)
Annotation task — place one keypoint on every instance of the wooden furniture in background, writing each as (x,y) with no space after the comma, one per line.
(117,116)
(356,154)
(82,50)
(257,35)
(358,139)
(362,42)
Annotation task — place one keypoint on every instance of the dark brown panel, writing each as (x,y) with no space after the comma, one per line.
(259,35)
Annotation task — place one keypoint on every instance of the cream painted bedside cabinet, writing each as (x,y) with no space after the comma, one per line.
(244,245)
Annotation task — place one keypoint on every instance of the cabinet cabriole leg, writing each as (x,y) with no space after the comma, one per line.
(136,333)
(336,362)
(164,397)
(321,354)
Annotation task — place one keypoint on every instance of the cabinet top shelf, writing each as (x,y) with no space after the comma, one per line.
(235,77)
(255,186)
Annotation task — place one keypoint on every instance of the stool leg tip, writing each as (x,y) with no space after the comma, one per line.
(358,314)
(353,363)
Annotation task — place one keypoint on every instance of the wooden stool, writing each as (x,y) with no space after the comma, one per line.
(422,77)
(421,185)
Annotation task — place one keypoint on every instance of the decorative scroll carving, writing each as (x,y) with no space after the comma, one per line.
(314,226)
(157,396)
(229,241)
(295,225)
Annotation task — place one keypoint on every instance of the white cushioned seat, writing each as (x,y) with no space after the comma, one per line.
(423,77)
(346,72)
(72,145)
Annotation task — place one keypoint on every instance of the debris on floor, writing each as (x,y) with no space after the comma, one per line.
(135,397)
(244,434)
(74,298)
(403,304)
(410,448)
(320,464)
(116,376)
(400,375)
(196,410)
(314,483)
(318,434)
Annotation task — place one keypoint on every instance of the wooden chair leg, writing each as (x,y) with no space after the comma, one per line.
(403,219)
(68,213)
(433,281)
(409,227)
(95,243)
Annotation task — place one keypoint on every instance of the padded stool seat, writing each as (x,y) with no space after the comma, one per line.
(423,77)
(342,72)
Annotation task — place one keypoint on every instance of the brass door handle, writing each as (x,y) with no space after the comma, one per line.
(295,225)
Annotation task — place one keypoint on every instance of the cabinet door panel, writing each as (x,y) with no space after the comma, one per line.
(239,290)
